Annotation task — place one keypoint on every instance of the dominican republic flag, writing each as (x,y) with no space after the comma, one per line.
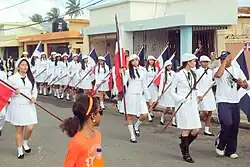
(38,50)
(70,59)
(243,94)
(247,47)
(142,57)
(80,57)
(6,93)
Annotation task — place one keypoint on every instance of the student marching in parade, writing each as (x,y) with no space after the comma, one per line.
(86,83)
(187,117)
(85,147)
(3,76)
(101,71)
(166,100)
(207,103)
(151,72)
(228,77)
(34,62)
(43,74)
(10,66)
(74,68)
(56,75)
(64,76)
(25,54)
(136,104)
(21,112)
(51,68)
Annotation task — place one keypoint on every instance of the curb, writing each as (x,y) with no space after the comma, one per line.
(243,125)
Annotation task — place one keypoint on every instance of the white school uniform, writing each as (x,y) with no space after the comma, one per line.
(135,101)
(153,89)
(64,71)
(188,115)
(42,64)
(3,76)
(20,112)
(86,83)
(100,76)
(208,102)
(51,70)
(34,69)
(57,72)
(166,100)
(74,68)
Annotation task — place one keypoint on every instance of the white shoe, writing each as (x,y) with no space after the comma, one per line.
(234,156)
(220,152)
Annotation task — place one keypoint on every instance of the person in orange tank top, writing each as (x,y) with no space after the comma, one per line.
(85,139)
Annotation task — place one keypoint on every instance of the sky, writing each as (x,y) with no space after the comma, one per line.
(22,12)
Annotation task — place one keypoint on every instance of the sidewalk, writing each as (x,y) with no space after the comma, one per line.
(244,124)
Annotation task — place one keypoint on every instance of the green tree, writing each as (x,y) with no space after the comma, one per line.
(73,8)
(36,18)
(53,14)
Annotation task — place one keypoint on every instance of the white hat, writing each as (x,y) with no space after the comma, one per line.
(133,56)
(25,53)
(65,54)
(75,55)
(19,61)
(187,57)
(58,55)
(151,58)
(101,58)
(167,63)
(84,57)
(53,53)
(43,53)
(204,58)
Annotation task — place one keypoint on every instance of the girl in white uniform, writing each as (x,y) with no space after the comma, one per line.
(86,83)
(166,100)
(74,68)
(101,71)
(21,112)
(43,73)
(152,71)
(56,75)
(51,69)
(3,76)
(187,117)
(64,75)
(136,104)
(34,62)
(207,104)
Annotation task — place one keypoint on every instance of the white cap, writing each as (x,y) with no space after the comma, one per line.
(151,58)
(25,53)
(19,61)
(43,53)
(75,55)
(65,54)
(53,53)
(101,58)
(58,55)
(133,56)
(84,57)
(167,63)
(204,58)
(188,56)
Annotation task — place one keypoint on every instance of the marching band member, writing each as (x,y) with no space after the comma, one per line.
(207,103)
(51,68)
(166,100)
(43,73)
(21,112)
(3,76)
(151,70)
(56,75)
(101,71)
(228,77)
(187,117)
(10,66)
(64,75)
(86,83)
(136,104)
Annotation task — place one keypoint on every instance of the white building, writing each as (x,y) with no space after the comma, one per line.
(153,23)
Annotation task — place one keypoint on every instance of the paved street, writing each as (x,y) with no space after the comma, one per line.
(156,149)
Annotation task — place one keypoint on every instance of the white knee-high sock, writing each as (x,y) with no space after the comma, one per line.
(131,131)
(137,124)
(162,117)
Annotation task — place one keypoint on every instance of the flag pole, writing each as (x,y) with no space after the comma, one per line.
(120,56)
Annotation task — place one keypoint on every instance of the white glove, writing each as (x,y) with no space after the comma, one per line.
(182,100)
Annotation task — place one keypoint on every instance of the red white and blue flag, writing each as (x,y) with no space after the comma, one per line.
(247,46)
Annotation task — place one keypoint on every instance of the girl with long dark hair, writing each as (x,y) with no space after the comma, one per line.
(43,72)
(21,112)
(34,61)
(51,68)
(56,75)
(85,145)
(64,73)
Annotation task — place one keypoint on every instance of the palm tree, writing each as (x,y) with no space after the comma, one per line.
(36,18)
(73,8)
(53,14)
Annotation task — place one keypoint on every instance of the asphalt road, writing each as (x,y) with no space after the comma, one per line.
(154,148)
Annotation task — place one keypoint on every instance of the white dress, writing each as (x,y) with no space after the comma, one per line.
(188,115)
(100,75)
(64,73)
(3,76)
(34,69)
(57,73)
(135,101)
(51,70)
(153,89)
(166,100)
(42,65)
(20,112)
(74,68)
(86,83)
(208,102)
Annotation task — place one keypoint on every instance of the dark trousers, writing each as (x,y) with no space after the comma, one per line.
(229,117)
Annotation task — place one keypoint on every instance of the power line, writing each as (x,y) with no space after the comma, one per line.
(14,5)
(48,20)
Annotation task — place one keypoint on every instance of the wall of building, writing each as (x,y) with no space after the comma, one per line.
(78,25)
